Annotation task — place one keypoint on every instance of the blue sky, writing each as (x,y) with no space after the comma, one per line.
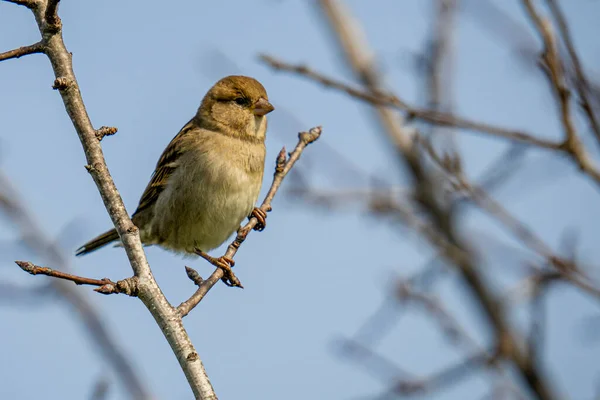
(312,277)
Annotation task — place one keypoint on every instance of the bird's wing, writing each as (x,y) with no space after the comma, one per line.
(165,166)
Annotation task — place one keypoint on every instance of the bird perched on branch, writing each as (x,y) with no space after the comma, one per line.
(208,178)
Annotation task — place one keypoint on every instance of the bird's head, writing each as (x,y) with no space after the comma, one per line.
(236,106)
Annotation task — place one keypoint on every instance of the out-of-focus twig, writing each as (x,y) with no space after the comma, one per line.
(382,98)
(438,59)
(581,81)
(443,234)
(572,144)
(96,329)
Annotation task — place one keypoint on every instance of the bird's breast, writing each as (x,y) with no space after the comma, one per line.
(209,195)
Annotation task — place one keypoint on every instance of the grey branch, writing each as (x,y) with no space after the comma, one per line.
(166,316)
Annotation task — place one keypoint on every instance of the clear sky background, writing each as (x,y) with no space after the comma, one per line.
(312,277)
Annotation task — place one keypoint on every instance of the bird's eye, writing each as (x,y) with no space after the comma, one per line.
(241,101)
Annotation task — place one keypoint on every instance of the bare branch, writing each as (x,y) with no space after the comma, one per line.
(572,144)
(282,167)
(22,51)
(95,328)
(581,81)
(106,286)
(436,117)
(357,54)
(166,316)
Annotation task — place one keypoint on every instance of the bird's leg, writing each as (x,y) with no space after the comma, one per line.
(261,217)
(225,264)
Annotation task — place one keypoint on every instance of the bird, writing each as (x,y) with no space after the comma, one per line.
(207,180)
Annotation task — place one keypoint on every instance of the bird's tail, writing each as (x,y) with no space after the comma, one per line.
(96,243)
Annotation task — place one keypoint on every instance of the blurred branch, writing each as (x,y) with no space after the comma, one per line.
(100,390)
(283,165)
(506,28)
(443,235)
(446,377)
(572,144)
(381,98)
(567,268)
(581,81)
(95,327)
(438,59)
(440,50)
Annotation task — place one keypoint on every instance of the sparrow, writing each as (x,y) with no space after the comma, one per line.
(208,178)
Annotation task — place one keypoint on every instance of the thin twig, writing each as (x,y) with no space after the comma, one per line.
(105,286)
(283,165)
(22,51)
(567,269)
(432,116)
(448,376)
(444,236)
(572,144)
(96,330)
(438,58)
(581,81)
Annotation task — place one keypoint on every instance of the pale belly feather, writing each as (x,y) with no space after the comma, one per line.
(218,195)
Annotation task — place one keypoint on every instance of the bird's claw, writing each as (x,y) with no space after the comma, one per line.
(229,278)
(225,264)
(261,218)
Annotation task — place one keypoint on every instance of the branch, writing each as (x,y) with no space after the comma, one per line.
(356,52)
(31,4)
(573,148)
(581,81)
(105,286)
(95,328)
(150,294)
(282,167)
(436,117)
(438,60)
(22,51)
(572,144)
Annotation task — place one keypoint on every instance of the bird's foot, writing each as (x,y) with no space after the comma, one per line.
(225,264)
(261,217)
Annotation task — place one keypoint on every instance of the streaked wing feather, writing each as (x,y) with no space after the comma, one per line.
(165,166)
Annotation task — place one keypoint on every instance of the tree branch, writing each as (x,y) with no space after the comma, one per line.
(389,100)
(581,81)
(22,51)
(96,330)
(572,144)
(165,315)
(444,236)
(105,286)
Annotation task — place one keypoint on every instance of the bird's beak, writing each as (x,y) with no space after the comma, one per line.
(262,107)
